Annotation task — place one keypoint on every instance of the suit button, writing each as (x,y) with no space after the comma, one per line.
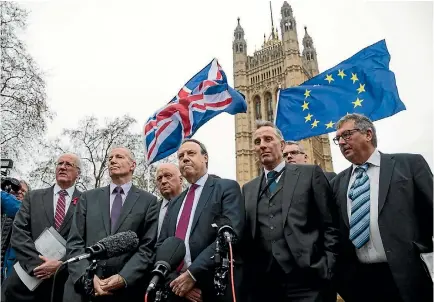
(271,215)
(388,251)
(272,227)
(298,254)
(271,204)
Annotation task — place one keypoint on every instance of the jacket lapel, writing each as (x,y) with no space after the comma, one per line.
(47,201)
(342,198)
(387,163)
(71,210)
(251,201)
(290,178)
(104,205)
(129,203)
(203,200)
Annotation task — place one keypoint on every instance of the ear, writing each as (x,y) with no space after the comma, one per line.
(206,158)
(282,145)
(133,166)
(369,135)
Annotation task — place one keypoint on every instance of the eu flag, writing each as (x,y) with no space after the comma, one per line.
(361,84)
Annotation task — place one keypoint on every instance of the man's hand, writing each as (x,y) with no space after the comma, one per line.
(113,283)
(97,286)
(46,269)
(195,295)
(182,285)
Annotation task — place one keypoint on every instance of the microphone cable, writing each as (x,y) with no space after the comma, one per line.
(54,282)
(146,297)
(231,258)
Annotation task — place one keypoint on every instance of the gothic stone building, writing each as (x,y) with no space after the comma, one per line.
(277,64)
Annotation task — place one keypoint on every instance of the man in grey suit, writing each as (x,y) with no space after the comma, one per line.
(44,208)
(386,217)
(294,153)
(101,212)
(190,217)
(291,226)
(169,183)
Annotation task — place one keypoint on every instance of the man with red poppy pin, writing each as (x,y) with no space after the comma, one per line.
(41,209)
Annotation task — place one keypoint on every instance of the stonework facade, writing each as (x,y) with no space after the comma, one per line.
(278,63)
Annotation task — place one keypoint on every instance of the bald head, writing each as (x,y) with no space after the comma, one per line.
(169,180)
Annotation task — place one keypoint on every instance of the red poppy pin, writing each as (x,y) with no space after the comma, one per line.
(75,200)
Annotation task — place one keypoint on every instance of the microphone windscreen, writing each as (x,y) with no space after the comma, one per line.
(221,220)
(172,251)
(120,243)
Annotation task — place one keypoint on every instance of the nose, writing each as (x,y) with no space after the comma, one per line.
(341,141)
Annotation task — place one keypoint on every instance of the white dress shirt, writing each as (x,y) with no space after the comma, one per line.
(68,197)
(163,211)
(126,187)
(201,182)
(278,168)
(373,250)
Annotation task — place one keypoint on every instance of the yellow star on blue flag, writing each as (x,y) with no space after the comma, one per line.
(361,84)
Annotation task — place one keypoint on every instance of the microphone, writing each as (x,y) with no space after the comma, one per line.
(225,230)
(109,247)
(169,256)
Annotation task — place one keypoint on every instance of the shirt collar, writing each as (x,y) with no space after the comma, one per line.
(70,190)
(201,181)
(278,168)
(126,187)
(373,160)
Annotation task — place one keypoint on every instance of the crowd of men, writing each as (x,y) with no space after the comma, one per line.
(303,234)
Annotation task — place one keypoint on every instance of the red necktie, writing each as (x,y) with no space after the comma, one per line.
(60,209)
(184,219)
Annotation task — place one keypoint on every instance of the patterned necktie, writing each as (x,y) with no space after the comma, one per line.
(360,207)
(60,209)
(116,207)
(270,178)
(184,219)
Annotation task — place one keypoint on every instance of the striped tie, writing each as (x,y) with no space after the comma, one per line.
(60,209)
(360,204)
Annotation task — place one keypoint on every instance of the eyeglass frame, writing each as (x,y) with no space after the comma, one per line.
(67,164)
(346,135)
(293,153)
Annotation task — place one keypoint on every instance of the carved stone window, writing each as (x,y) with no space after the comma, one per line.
(269,104)
(257,102)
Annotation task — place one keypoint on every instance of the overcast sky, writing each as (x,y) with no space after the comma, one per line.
(110,58)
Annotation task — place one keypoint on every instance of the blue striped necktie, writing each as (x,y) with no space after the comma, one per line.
(360,207)
(270,177)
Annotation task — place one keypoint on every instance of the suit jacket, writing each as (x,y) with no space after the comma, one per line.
(330,175)
(91,223)
(309,218)
(36,214)
(219,197)
(405,207)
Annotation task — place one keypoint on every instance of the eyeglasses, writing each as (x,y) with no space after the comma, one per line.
(346,135)
(68,165)
(293,153)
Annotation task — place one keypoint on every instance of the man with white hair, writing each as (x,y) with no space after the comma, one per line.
(41,209)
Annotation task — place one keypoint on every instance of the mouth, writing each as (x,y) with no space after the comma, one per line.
(62,174)
(292,162)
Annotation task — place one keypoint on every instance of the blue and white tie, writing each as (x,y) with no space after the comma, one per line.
(360,207)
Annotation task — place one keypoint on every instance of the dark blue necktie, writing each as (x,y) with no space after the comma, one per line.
(271,178)
(116,207)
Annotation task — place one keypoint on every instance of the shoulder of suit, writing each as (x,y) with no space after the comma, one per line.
(144,193)
(40,191)
(226,181)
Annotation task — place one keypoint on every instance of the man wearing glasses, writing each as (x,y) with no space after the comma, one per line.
(386,217)
(41,209)
(294,153)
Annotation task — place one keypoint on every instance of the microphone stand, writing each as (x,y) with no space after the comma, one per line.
(88,279)
(161,294)
(221,259)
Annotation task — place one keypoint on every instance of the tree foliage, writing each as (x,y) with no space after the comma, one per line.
(23,109)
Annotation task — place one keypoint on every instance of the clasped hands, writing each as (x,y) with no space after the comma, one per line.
(183,286)
(46,269)
(104,287)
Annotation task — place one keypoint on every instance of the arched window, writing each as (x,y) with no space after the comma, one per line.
(269,104)
(257,102)
(241,48)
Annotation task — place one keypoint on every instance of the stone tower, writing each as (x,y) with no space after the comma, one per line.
(277,64)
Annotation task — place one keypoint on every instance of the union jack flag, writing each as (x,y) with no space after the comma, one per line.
(206,95)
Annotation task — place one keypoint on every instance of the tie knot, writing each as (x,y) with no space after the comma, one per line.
(63,193)
(271,175)
(193,187)
(118,190)
(363,168)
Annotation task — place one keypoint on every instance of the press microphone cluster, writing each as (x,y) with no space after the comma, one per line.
(169,255)
(111,246)
(225,230)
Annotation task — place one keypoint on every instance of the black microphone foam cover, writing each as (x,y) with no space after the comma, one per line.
(172,251)
(221,220)
(120,243)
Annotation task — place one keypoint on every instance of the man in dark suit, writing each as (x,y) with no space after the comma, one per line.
(190,217)
(169,183)
(44,208)
(386,211)
(291,226)
(294,153)
(101,212)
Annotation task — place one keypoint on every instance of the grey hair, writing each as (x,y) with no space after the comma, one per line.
(203,150)
(300,146)
(261,123)
(361,122)
(26,183)
(129,153)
